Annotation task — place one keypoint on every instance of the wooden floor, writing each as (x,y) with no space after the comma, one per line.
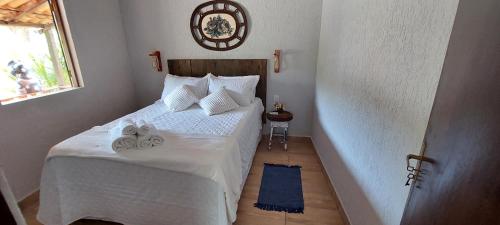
(320,201)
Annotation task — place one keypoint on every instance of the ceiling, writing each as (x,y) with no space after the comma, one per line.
(34,13)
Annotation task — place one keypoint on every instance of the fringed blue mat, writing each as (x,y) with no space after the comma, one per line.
(281,189)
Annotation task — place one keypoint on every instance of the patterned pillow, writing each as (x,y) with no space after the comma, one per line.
(218,102)
(180,99)
(241,88)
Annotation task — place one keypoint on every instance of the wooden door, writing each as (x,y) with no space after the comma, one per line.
(462,185)
(6,217)
(10,214)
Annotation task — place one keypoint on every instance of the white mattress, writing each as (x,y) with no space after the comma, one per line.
(134,194)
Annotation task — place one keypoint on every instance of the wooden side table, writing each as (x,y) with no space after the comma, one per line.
(279,120)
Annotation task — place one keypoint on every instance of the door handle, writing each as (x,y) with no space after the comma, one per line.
(419,158)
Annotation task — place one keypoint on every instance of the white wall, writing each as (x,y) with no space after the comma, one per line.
(378,68)
(28,129)
(290,25)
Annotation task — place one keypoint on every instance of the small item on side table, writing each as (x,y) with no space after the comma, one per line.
(278,107)
(279,120)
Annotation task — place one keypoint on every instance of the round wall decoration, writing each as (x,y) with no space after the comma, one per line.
(219,25)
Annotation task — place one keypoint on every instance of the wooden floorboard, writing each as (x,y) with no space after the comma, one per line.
(320,202)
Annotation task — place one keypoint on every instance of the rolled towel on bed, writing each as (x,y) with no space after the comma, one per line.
(144,142)
(120,142)
(157,140)
(125,142)
(128,127)
(149,141)
(145,128)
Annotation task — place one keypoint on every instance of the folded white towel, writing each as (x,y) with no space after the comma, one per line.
(125,142)
(145,128)
(120,142)
(157,140)
(128,127)
(144,142)
(149,141)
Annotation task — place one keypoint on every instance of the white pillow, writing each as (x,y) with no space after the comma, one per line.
(218,102)
(180,99)
(241,88)
(198,85)
(253,79)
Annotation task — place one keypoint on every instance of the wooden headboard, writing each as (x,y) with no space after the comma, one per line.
(223,67)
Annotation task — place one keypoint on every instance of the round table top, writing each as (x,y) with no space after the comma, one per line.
(282,116)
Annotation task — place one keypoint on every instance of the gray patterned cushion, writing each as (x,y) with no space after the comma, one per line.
(180,99)
(218,102)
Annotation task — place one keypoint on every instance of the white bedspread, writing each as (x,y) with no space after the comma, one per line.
(218,148)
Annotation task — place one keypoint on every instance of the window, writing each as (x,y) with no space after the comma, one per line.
(35,58)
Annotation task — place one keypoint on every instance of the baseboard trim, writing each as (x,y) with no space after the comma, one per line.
(343,214)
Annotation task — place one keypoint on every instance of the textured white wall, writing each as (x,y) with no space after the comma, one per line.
(290,25)
(378,68)
(28,129)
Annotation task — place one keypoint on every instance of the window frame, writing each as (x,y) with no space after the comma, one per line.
(62,27)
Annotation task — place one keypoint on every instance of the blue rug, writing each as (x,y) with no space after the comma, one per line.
(281,189)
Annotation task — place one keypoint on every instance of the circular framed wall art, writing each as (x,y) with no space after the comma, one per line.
(219,25)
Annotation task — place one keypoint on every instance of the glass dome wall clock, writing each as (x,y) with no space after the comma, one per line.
(219,25)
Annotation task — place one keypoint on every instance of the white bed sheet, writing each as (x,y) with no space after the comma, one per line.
(134,194)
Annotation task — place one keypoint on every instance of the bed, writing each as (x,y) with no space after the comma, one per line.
(81,179)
